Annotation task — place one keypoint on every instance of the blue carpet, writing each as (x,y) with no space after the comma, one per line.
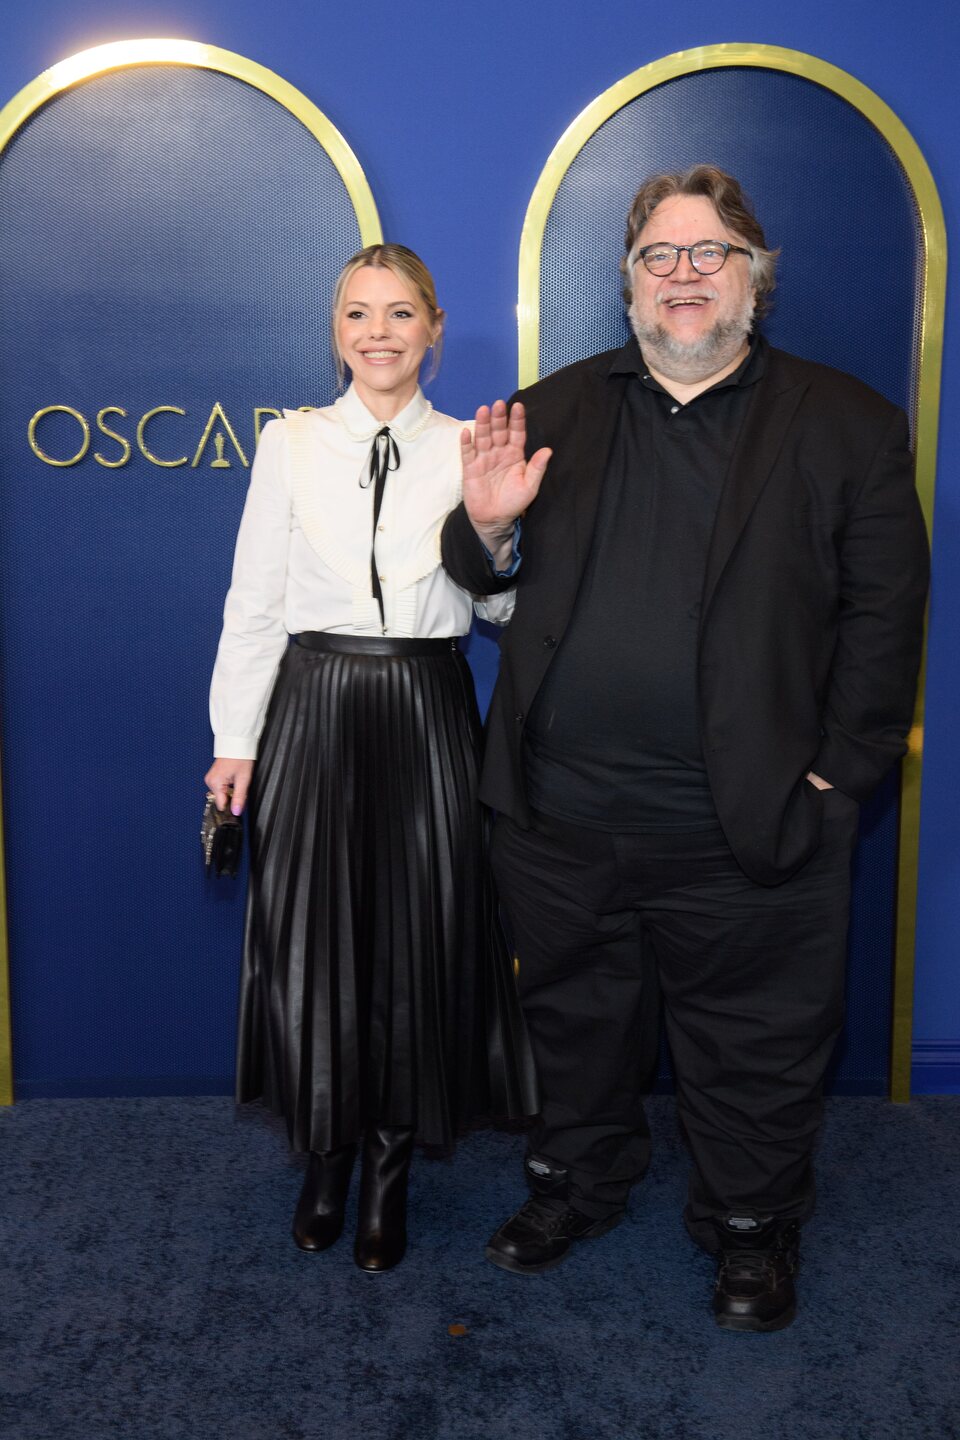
(151,1292)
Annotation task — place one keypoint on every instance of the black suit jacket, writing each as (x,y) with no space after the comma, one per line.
(811,618)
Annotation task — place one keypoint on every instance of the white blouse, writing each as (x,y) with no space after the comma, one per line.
(302,560)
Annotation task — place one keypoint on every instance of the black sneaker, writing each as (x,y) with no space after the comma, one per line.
(754,1289)
(539,1236)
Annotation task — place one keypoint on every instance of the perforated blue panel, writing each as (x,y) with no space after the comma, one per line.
(831,193)
(169,236)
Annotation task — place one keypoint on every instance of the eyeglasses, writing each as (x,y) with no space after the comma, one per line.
(706,256)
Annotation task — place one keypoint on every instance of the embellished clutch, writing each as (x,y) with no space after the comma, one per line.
(221,835)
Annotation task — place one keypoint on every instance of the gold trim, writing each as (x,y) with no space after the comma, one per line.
(929,365)
(121,55)
(6,1027)
(905,920)
(125,53)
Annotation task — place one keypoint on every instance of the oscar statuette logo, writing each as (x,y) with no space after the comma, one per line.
(62,435)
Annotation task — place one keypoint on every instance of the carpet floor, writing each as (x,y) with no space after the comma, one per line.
(150,1291)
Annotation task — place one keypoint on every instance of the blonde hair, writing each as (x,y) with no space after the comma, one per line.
(407,266)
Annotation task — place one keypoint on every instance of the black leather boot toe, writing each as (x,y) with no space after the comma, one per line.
(318,1219)
(382,1218)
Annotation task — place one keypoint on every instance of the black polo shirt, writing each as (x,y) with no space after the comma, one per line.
(613,739)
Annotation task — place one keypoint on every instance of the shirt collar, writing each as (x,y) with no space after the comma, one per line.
(361,425)
(629,361)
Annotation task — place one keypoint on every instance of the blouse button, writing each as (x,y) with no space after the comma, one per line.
(380,527)
(383,577)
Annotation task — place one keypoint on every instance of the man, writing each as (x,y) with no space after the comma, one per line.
(712,661)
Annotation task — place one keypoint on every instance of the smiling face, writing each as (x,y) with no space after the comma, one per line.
(691,327)
(383,332)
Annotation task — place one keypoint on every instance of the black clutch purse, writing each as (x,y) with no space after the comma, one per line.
(221,835)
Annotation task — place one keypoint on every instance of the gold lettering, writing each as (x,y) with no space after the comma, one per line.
(64,410)
(218,413)
(141,431)
(259,412)
(120,439)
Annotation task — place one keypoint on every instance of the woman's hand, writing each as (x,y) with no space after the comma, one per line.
(498,482)
(230,780)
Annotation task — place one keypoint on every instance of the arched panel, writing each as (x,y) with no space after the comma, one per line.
(172,219)
(841,187)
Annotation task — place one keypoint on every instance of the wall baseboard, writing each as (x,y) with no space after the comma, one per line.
(936,1067)
(123,1086)
(935,1070)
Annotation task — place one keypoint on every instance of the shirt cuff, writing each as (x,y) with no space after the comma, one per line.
(514,565)
(234,747)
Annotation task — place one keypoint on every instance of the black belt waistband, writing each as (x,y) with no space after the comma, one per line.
(325,640)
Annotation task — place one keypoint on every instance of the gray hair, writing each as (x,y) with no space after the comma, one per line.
(733,208)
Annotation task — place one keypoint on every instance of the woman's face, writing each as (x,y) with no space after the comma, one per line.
(383,333)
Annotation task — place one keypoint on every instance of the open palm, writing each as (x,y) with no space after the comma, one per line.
(498,481)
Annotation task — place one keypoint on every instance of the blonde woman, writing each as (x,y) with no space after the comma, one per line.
(378,1003)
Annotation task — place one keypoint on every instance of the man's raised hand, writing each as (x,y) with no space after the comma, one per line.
(498,481)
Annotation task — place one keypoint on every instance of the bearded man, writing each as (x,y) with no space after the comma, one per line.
(711,664)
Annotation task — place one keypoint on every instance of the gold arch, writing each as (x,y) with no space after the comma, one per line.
(929,365)
(123,54)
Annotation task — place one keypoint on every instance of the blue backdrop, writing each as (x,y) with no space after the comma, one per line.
(146,263)
(452,112)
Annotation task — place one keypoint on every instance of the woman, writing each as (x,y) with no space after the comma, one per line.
(377,997)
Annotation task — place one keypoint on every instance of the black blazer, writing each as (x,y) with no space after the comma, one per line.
(811,619)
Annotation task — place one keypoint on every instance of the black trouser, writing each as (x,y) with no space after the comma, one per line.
(751,978)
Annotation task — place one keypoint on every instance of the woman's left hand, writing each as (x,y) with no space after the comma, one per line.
(229,780)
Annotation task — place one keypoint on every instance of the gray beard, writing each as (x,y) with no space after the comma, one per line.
(696,360)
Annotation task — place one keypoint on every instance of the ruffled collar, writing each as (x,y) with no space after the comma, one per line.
(361,425)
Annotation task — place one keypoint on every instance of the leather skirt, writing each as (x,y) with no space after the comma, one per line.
(376,984)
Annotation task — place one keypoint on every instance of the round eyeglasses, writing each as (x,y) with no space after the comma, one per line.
(706,256)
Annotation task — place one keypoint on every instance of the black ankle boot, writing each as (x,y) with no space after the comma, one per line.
(382,1218)
(318,1219)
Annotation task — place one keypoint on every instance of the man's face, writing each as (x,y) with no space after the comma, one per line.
(688,322)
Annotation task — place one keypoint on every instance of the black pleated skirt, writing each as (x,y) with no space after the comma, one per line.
(376,983)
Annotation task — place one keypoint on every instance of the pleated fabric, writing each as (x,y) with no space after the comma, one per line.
(376,983)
